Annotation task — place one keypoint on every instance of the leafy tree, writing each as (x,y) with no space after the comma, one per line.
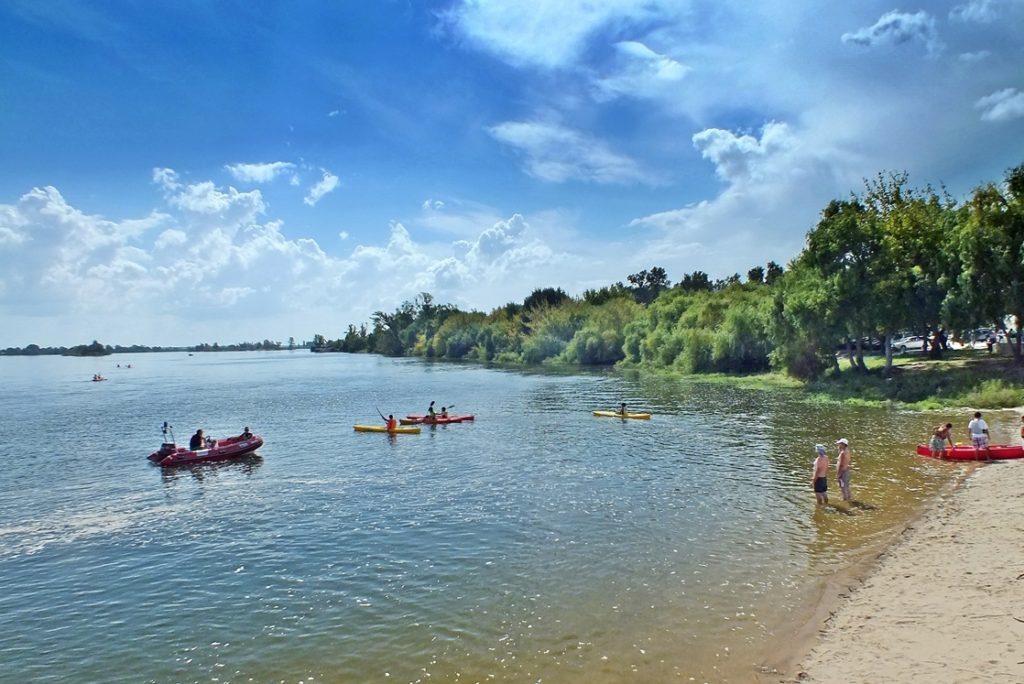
(991,246)
(693,282)
(755,275)
(772,273)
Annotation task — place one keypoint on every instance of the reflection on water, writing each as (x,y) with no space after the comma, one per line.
(535,543)
(244,465)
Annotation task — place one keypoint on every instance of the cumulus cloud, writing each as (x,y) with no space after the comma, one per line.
(639,71)
(548,34)
(554,153)
(738,157)
(1002,105)
(775,185)
(326,185)
(259,173)
(898,28)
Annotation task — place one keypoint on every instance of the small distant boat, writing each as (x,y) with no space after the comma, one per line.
(436,420)
(98,378)
(170,454)
(966,452)
(616,414)
(384,428)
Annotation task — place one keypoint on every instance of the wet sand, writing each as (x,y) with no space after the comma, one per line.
(944,603)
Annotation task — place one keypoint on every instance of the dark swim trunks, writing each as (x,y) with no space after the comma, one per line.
(821,485)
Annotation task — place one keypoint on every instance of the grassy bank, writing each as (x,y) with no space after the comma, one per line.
(968,377)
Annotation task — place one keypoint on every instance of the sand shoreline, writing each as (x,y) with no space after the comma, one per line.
(941,603)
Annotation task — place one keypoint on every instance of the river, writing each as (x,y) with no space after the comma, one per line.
(537,543)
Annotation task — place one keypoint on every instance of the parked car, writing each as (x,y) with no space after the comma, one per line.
(908,343)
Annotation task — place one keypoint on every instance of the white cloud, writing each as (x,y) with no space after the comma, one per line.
(974,57)
(775,187)
(557,154)
(432,205)
(639,72)
(897,28)
(171,238)
(343,235)
(326,185)
(1002,105)
(983,11)
(739,157)
(549,34)
(259,173)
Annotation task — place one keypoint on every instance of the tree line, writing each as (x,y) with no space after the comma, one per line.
(890,259)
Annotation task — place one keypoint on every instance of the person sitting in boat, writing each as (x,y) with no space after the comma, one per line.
(431,414)
(246,433)
(444,411)
(197,440)
(392,423)
(622,409)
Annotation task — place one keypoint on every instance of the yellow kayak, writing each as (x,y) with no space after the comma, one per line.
(616,414)
(402,430)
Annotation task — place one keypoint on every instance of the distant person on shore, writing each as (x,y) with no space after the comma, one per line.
(820,477)
(978,430)
(622,409)
(1022,429)
(197,440)
(843,467)
(940,436)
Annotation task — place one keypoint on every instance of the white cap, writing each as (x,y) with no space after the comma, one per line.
(820,448)
(843,441)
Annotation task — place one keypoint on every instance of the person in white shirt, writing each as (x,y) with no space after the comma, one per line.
(978,429)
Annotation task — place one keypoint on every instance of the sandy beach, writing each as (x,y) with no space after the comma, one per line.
(944,603)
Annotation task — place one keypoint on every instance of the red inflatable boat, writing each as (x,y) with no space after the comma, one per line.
(170,454)
(966,452)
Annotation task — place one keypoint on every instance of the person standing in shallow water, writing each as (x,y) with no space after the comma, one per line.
(940,435)
(843,468)
(819,479)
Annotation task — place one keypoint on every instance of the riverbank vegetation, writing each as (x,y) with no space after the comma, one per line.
(887,261)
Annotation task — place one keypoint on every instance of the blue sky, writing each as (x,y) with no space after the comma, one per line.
(179,172)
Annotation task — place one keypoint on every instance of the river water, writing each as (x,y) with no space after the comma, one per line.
(538,543)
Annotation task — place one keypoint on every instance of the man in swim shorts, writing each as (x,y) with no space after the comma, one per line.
(843,467)
(820,478)
(940,435)
(978,430)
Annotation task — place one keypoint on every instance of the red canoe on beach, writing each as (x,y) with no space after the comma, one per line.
(170,454)
(424,420)
(965,452)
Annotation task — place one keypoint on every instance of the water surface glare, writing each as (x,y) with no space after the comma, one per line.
(537,543)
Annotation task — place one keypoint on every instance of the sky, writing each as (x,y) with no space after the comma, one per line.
(178,172)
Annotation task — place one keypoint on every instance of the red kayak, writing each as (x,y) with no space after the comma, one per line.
(170,454)
(965,452)
(437,420)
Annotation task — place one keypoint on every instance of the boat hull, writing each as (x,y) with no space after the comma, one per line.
(231,447)
(965,452)
(616,414)
(383,428)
